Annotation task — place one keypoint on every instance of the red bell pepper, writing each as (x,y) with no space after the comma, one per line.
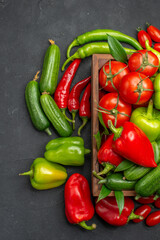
(78,204)
(107,157)
(108,210)
(131,143)
(143,211)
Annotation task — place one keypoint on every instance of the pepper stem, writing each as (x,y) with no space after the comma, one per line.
(150,109)
(29,173)
(156,197)
(85,120)
(47,130)
(137,197)
(74,56)
(63,110)
(73,44)
(116,131)
(107,168)
(134,216)
(73,118)
(97,176)
(85,226)
(87,151)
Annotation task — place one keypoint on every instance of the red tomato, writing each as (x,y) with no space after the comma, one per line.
(157,47)
(142,37)
(136,88)
(144,61)
(142,211)
(114,108)
(153,219)
(112,68)
(154,33)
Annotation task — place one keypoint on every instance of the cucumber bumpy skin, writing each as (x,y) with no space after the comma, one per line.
(32,97)
(55,115)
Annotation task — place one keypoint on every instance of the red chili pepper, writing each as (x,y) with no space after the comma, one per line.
(153,219)
(84,108)
(78,204)
(142,211)
(107,157)
(157,47)
(145,200)
(131,143)
(153,32)
(108,210)
(73,99)
(157,203)
(142,37)
(62,91)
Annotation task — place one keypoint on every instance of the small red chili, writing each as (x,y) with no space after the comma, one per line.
(157,203)
(73,99)
(157,47)
(153,32)
(143,211)
(62,91)
(145,200)
(84,108)
(142,37)
(153,219)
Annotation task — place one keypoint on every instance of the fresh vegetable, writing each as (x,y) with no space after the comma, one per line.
(32,96)
(152,50)
(157,47)
(45,175)
(108,210)
(102,35)
(124,165)
(136,88)
(115,109)
(143,36)
(107,157)
(157,203)
(111,74)
(68,152)
(143,211)
(61,94)
(145,200)
(55,115)
(73,99)
(92,48)
(144,61)
(49,77)
(156,96)
(153,219)
(78,204)
(149,184)
(153,32)
(147,119)
(85,108)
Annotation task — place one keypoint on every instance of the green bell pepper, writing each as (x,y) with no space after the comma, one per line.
(66,151)
(45,175)
(156,95)
(148,119)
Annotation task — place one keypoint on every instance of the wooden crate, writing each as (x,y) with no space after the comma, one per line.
(98,60)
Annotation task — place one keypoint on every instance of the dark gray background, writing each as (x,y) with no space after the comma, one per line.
(25,27)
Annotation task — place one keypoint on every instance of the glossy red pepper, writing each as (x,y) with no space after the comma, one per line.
(85,107)
(157,47)
(153,219)
(78,204)
(62,91)
(108,210)
(153,32)
(157,203)
(107,157)
(142,211)
(73,99)
(145,200)
(131,143)
(142,37)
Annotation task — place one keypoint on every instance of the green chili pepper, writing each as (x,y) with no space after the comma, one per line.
(69,152)
(148,119)
(102,35)
(92,48)
(45,175)
(156,95)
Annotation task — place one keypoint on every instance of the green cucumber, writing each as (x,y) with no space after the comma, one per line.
(55,116)
(49,77)
(32,97)
(149,184)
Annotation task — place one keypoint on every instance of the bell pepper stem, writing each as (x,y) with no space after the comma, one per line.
(116,131)
(107,168)
(134,216)
(150,109)
(97,176)
(63,110)
(85,226)
(47,130)
(85,120)
(87,151)
(29,173)
(73,44)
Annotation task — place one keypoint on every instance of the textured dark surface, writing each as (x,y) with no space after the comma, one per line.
(25,27)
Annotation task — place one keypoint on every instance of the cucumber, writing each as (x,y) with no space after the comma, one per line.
(32,97)
(149,184)
(55,116)
(49,77)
